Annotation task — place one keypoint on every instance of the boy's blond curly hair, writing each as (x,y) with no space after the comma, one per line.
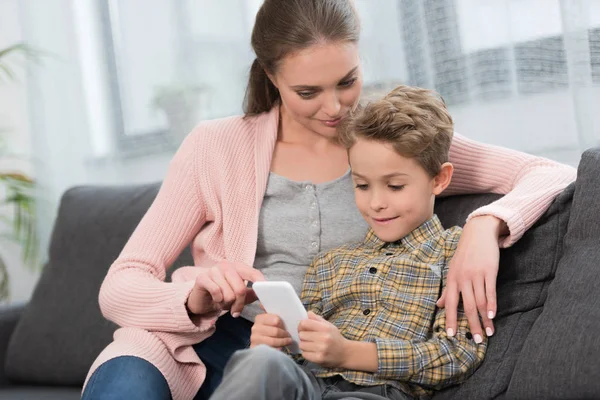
(413,120)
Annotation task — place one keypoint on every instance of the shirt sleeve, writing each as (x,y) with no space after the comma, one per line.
(439,361)
(435,363)
(311,288)
(529,183)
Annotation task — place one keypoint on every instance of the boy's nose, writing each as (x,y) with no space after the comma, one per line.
(377,203)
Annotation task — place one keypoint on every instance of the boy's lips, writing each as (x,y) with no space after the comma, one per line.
(383,221)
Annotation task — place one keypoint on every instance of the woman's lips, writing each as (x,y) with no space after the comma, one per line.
(332,123)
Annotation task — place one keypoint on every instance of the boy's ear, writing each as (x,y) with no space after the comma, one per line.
(442,180)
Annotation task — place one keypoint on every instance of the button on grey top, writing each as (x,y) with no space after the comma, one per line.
(297,221)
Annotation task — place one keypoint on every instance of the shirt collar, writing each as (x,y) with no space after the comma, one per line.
(429,229)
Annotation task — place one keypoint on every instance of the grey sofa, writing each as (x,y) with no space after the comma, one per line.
(546,345)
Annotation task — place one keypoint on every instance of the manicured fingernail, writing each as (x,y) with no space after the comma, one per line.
(235,314)
(490,314)
(478,338)
(489,331)
(450,332)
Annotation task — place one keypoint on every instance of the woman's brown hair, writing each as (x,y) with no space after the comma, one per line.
(283,27)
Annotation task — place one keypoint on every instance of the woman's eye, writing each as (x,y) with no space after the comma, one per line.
(306,95)
(362,186)
(396,187)
(347,83)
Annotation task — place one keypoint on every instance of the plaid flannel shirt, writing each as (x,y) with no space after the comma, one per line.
(385,293)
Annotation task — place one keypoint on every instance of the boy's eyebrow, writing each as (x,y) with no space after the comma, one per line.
(393,174)
(306,87)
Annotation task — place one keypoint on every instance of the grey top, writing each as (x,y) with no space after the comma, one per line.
(297,221)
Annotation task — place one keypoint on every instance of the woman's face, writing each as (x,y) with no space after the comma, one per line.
(320,85)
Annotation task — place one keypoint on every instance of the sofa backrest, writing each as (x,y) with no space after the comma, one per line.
(561,357)
(62,330)
(526,269)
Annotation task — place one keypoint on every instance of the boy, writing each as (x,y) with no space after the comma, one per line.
(374,331)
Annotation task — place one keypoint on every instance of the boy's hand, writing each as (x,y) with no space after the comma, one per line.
(321,342)
(268,329)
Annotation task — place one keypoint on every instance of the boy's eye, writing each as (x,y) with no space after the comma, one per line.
(347,83)
(396,187)
(362,186)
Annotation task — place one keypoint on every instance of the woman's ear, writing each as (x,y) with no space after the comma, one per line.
(443,178)
(272,79)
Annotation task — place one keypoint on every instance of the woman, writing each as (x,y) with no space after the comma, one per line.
(259,196)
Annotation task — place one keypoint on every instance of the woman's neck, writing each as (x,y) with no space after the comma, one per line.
(293,133)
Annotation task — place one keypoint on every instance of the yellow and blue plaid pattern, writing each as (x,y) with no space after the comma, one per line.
(385,293)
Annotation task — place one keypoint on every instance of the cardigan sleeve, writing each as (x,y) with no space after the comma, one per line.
(529,183)
(134,293)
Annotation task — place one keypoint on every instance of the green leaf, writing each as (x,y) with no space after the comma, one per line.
(7,71)
(30,54)
(18,189)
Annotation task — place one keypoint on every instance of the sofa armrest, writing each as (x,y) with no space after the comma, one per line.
(9,317)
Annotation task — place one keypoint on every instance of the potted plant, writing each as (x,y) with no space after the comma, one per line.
(17,205)
(182,105)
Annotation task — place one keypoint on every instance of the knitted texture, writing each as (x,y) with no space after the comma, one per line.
(211,197)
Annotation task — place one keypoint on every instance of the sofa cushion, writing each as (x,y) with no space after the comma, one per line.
(561,357)
(526,269)
(62,330)
(40,393)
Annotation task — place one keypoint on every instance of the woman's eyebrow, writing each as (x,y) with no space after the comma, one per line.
(309,87)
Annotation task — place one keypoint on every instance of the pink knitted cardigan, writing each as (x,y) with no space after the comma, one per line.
(211,197)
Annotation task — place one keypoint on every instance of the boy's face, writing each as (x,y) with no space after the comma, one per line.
(394,194)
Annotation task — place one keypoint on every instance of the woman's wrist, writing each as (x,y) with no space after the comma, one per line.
(491,223)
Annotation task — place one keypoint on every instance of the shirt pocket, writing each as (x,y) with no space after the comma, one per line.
(409,295)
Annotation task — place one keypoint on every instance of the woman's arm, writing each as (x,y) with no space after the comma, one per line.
(134,293)
(529,183)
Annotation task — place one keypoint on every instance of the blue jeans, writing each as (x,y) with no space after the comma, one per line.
(133,378)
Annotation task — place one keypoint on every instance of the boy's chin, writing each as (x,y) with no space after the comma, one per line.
(389,235)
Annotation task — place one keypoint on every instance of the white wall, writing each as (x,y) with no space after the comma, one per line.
(14,123)
(66,150)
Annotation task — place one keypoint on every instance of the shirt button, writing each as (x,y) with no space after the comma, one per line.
(367,312)
(373,270)
(314,244)
(315,224)
(308,187)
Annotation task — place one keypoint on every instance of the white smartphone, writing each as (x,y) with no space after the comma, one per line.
(280,298)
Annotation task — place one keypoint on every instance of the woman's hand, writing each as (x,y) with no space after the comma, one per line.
(321,342)
(222,287)
(472,275)
(268,329)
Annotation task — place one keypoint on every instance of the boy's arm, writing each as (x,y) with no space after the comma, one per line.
(311,292)
(319,273)
(438,362)
(435,363)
